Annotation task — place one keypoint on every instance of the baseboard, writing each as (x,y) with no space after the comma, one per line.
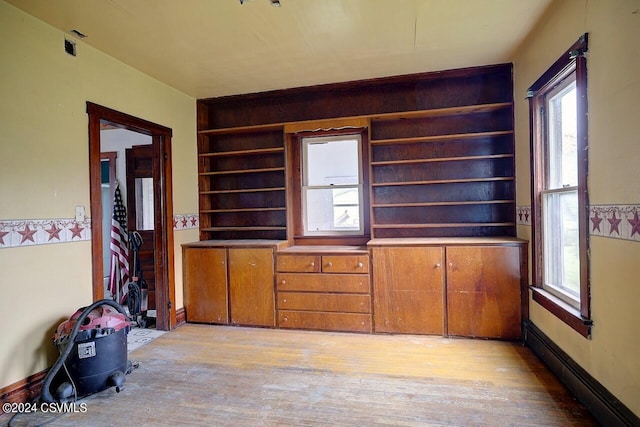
(26,390)
(604,406)
(181,317)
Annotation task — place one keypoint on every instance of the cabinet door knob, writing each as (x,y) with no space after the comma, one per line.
(450,264)
(437,265)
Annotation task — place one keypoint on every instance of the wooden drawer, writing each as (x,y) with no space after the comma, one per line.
(348,303)
(345,264)
(346,283)
(347,322)
(298,263)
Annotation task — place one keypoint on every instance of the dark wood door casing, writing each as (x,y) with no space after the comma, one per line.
(161,142)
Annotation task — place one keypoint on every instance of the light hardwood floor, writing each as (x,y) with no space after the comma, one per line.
(231,376)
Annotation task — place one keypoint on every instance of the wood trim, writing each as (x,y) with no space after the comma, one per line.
(165,284)
(572,59)
(25,390)
(326,125)
(562,311)
(604,406)
(181,316)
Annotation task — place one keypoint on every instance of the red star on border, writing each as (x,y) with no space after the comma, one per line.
(596,221)
(27,234)
(194,220)
(184,222)
(2,234)
(635,224)
(76,230)
(175,224)
(53,232)
(614,224)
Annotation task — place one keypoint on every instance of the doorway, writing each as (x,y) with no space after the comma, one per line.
(148,198)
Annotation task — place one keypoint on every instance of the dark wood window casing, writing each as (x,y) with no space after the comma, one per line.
(573,60)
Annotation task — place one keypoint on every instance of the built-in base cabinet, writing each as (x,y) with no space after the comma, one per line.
(453,290)
(228,283)
(324,291)
(449,287)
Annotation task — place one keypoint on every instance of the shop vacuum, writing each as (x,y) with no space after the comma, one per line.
(93,353)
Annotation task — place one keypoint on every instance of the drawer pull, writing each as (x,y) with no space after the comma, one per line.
(284,300)
(313,264)
(283,282)
(329,264)
(360,265)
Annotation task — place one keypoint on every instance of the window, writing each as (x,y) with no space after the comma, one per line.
(332,185)
(558,109)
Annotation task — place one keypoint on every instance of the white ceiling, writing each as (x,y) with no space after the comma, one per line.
(208,48)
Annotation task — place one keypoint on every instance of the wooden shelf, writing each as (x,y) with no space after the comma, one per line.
(236,171)
(441,181)
(243,129)
(248,152)
(446,225)
(415,114)
(434,138)
(247,228)
(428,204)
(441,159)
(243,210)
(242,190)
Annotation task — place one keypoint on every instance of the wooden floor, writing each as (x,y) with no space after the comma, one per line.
(230,376)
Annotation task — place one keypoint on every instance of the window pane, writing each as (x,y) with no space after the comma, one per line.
(332,209)
(563,130)
(560,236)
(331,162)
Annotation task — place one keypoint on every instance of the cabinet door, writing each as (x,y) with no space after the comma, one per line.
(483,291)
(408,289)
(251,282)
(205,285)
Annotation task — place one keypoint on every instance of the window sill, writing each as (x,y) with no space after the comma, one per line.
(562,311)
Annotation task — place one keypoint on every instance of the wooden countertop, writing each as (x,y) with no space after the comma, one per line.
(448,241)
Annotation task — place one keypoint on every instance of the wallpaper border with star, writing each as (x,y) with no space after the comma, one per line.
(613,221)
(29,232)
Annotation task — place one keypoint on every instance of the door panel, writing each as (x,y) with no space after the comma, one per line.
(407,288)
(141,191)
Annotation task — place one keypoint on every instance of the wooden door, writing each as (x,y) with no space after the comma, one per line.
(408,289)
(141,216)
(483,291)
(251,287)
(205,285)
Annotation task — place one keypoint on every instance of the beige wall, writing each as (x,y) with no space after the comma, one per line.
(44,174)
(612,355)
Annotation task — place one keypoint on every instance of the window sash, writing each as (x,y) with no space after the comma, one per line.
(321,218)
(561,251)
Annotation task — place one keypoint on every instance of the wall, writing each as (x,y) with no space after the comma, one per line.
(611,355)
(44,175)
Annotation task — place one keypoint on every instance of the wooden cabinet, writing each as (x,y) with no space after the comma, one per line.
(205,285)
(408,285)
(472,287)
(251,296)
(322,290)
(484,291)
(247,298)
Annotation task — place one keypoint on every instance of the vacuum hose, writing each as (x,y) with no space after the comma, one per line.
(45,394)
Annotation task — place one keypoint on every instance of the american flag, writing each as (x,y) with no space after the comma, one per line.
(119,271)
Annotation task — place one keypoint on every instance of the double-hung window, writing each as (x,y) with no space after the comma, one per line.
(558,108)
(332,185)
